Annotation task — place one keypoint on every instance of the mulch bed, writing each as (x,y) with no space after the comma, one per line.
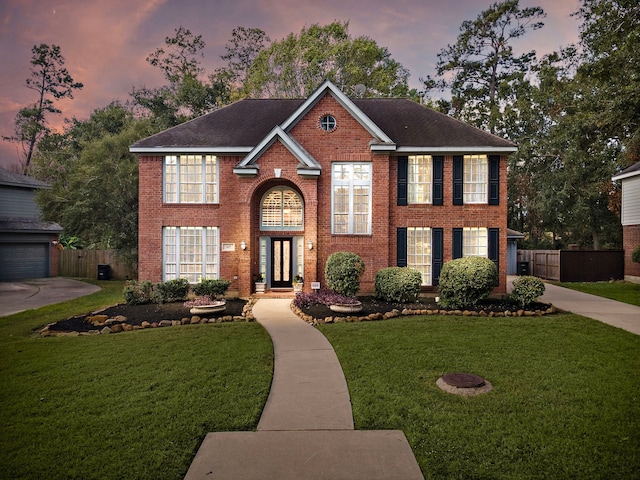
(371,305)
(151,312)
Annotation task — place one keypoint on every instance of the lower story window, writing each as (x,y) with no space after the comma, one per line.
(419,252)
(474,242)
(191,252)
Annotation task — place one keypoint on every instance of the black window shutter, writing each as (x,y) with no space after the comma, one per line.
(401,246)
(457,243)
(494,245)
(438,178)
(458,163)
(403,173)
(494,179)
(437,254)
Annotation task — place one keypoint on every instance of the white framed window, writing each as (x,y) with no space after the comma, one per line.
(191,252)
(419,252)
(351,198)
(476,179)
(419,179)
(191,179)
(475,242)
(281,209)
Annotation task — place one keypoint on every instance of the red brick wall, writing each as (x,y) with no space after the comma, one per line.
(237,215)
(631,240)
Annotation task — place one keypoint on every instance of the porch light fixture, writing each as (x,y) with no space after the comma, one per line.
(310,245)
(243,245)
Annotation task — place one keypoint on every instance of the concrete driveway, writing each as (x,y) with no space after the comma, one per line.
(24,295)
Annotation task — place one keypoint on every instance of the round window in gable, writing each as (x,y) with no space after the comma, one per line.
(328,123)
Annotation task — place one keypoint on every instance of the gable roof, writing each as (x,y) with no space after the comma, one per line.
(16,180)
(395,124)
(631,171)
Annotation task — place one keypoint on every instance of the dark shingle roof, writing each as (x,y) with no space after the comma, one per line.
(247,122)
(630,170)
(28,225)
(17,180)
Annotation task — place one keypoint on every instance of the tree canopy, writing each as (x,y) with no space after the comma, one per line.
(296,65)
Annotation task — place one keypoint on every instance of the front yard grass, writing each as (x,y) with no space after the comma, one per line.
(131,405)
(626,292)
(565,403)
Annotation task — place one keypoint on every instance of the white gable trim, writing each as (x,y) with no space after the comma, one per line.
(345,102)
(247,164)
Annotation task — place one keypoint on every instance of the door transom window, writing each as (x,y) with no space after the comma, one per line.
(281,209)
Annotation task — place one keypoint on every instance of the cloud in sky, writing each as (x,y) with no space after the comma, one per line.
(105,42)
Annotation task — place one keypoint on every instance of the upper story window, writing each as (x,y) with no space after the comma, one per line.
(191,179)
(420,179)
(476,179)
(281,209)
(351,198)
(328,123)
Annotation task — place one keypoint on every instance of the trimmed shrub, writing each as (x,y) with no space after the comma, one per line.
(398,284)
(343,271)
(526,290)
(465,281)
(137,293)
(635,255)
(175,290)
(214,288)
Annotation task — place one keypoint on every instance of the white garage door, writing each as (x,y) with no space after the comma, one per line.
(19,261)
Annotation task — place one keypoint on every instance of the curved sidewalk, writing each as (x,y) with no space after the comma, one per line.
(306,429)
(611,312)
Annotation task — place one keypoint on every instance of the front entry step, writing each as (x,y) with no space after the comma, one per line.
(310,455)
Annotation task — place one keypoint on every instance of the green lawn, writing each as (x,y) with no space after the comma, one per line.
(565,404)
(132,405)
(626,292)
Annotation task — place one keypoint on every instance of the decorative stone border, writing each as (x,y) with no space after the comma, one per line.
(406,312)
(104,324)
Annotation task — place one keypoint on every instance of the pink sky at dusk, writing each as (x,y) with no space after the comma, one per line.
(105,42)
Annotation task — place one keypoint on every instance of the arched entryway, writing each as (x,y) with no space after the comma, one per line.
(280,232)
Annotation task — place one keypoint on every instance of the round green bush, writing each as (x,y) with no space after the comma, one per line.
(175,290)
(526,290)
(398,284)
(465,281)
(635,255)
(343,271)
(214,288)
(137,292)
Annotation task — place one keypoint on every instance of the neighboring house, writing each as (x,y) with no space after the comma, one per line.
(630,218)
(28,246)
(512,251)
(274,186)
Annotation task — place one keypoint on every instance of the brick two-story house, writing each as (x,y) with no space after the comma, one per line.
(274,186)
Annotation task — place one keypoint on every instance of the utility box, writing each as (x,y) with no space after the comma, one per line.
(523,268)
(104,272)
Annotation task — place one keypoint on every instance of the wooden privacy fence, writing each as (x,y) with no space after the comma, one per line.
(84,263)
(574,265)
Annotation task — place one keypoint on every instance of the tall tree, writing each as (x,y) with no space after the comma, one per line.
(51,81)
(481,69)
(295,66)
(186,95)
(244,46)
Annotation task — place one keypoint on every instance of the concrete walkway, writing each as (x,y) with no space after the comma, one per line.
(617,314)
(306,429)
